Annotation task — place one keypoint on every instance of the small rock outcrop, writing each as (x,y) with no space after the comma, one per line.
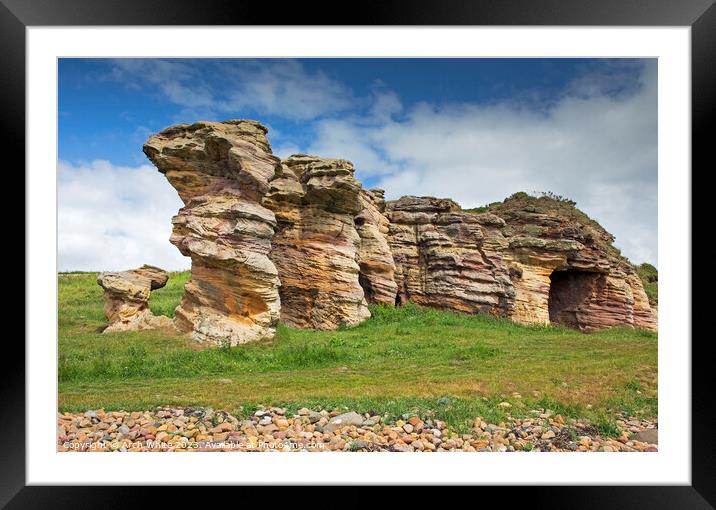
(126,298)
(447,258)
(221,171)
(316,246)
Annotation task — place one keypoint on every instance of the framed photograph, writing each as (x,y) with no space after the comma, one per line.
(439,245)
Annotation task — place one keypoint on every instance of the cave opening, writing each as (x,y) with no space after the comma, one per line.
(367,287)
(569,294)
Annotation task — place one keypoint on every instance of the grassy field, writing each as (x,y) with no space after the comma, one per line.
(406,359)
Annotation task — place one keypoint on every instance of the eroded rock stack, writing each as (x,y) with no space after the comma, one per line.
(221,171)
(316,244)
(301,239)
(126,298)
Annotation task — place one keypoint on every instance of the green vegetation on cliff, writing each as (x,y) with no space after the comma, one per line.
(650,279)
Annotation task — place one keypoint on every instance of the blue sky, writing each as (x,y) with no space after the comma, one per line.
(475,130)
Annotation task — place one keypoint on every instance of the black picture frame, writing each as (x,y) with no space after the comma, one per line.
(700,15)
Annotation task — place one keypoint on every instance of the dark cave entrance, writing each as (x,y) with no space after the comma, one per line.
(367,287)
(569,292)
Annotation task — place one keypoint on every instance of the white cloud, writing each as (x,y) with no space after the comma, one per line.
(285,150)
(386,104)
(596,144)
(178,81)
(285,88)
(356,141)
(215,89)
(115,218)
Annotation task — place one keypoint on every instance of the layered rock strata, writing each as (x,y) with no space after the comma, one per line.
(126,298)
(565,269)
(535,260)
(377,267)
(447,258)
(316,246)
(221,171)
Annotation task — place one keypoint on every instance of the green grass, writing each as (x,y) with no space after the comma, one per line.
(163,301)
(405,360)
(481,209)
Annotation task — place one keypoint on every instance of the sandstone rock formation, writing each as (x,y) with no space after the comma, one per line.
(301,240)
(447,258)
(565,269)
(221,171)
(535,260)
(377,267)
(126,298)
(316,245)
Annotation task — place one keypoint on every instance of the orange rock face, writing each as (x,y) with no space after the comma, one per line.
(316,246)
(447,258)
(565,269)
(221,171)
(377,267)
(535,260)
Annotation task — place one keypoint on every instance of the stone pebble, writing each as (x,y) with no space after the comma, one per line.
(274,429)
